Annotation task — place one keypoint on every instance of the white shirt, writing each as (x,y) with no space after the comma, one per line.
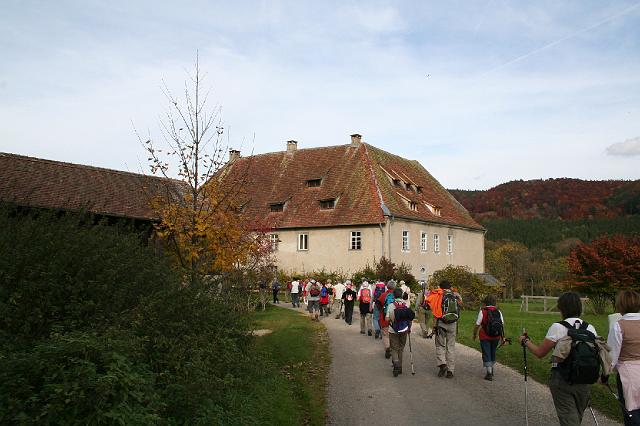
(295,287)
(558,331)
(615,337)
(338,289)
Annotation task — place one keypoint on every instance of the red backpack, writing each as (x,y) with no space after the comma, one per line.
(365,295)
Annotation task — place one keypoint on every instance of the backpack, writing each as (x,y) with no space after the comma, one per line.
(403,317)
(493,327)
(365,295)
(380,288)
(450,308)
(582,365)
(314,292)
(323,292)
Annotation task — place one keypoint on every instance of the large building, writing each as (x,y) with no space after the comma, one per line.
(340,208)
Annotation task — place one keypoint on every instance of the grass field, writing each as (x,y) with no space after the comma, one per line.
(537,325)
(293,393)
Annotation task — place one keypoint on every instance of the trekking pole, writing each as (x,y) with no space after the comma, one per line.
(413,370)
(615,395)
(594,415)
(526,391)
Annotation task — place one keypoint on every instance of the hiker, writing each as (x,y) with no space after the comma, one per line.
(295,292)
(365,295)
(313,299)
(378,289)
(275,288)
(349,297)
(490,323)
(423,312)
(445,305)
(400,317)
(324,300)
(330,293)
(569,398)
(287,292)
(338,289)
(382,302)
(406,290)
(624,340)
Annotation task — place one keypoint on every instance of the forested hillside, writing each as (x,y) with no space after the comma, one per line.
(568,199)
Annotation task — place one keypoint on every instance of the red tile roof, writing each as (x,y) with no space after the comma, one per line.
(36,182)
(359,176)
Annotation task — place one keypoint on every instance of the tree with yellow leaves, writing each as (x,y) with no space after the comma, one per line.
(200,223)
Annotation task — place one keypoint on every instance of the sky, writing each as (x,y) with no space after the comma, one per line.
(480,92)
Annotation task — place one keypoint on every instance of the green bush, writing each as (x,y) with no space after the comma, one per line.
(95,328)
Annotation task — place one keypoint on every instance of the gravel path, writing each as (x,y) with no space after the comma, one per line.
(362,390)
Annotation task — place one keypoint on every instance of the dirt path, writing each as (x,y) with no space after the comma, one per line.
(362,390)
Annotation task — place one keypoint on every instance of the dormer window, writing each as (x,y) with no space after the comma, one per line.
(397,182)
(276,207)
(328,204)
(413,206)
(435,210)
(419,189)
(314,183)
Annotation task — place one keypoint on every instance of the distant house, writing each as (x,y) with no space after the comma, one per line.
(342,207)
(54,185)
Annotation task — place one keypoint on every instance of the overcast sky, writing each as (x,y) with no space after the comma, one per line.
(480,92)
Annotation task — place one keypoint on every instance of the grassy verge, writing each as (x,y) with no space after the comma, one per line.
(537,325)
(293,391)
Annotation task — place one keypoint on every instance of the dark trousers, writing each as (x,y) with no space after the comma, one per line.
(634,420)
(295,300)
(489,352)
(324,309)
(570,400)
(348,312)
(275,296)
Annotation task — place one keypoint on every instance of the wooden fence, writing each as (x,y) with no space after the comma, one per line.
(549,303)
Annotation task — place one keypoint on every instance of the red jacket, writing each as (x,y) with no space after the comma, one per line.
(382,320)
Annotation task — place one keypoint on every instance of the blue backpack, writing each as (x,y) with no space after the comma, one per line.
(323,292)
(403,317)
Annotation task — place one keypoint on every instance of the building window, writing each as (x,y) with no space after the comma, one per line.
(303,241)
(413,206)
(356,240)
(449,244)
(328,204)
(273,239)
(276,207)
(405,240)
(423,241)
(419,189)
(435,210)
(436,243)
(314,183)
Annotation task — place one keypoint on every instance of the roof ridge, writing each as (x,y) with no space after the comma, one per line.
(298,149)
(82,166)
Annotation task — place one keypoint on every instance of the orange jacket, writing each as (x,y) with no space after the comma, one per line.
(434,300)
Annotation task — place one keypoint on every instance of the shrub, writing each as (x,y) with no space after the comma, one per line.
(470,287)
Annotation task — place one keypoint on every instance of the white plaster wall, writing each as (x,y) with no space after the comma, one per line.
(329,248)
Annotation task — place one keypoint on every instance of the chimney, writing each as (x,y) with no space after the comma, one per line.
(234,154)
(356,139)
(292,146)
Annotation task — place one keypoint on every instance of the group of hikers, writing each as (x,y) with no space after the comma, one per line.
(580,357)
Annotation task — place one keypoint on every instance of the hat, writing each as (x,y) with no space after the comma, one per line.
(391,284)
(402,282)
(347,282)
(313,281)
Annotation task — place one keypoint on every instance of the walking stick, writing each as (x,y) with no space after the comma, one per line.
(594,415)
(413,370)
(617,397)
(526,392)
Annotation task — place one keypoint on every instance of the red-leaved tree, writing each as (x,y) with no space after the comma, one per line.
(606,265)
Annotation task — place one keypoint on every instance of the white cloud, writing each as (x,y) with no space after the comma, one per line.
(628,148)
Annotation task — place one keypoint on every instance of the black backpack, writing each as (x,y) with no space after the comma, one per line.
(493,327)
(582,366)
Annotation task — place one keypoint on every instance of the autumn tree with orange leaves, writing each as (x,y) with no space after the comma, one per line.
(200,221)
(606,265)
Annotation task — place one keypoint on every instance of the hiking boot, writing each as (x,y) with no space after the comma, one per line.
(362,332)
(396,370)
(449,375)
(387,353)
(443,370)
(377,334)
(488,377)
(369,333)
